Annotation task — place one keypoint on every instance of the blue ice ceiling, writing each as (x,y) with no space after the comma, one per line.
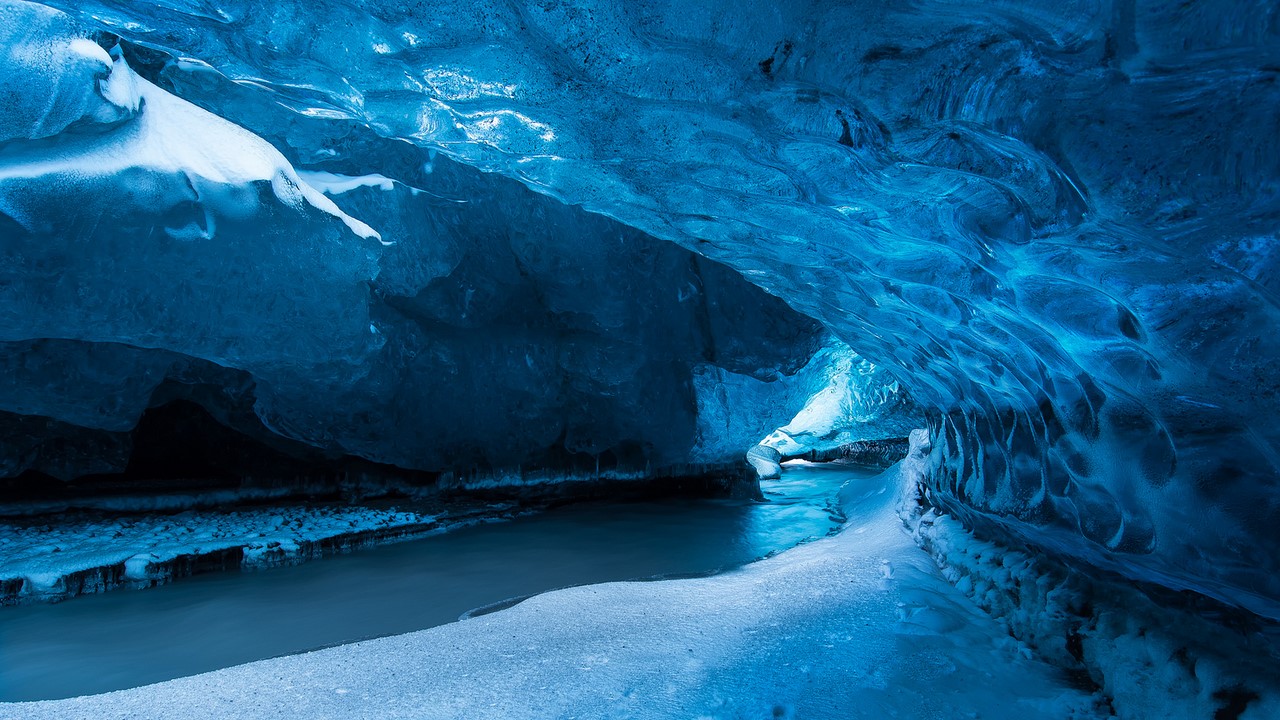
(1054,223)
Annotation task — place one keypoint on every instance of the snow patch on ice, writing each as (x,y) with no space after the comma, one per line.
(335,184)
(142,567)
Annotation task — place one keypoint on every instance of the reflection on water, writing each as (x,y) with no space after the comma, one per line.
(128,638)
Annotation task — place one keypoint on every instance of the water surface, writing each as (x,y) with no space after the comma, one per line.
(128,638)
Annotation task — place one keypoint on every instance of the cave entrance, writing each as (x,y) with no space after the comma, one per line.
(854,413)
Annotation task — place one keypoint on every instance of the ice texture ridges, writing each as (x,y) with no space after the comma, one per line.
(1054,222)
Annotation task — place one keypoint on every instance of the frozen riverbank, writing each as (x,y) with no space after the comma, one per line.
(60,549)
(69,555)
(860,624)
(126,639)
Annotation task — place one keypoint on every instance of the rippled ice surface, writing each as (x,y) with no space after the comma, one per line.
(124,639)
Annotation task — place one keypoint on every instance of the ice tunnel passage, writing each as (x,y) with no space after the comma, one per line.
(492,235)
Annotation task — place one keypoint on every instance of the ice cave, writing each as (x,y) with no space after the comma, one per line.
(640,359)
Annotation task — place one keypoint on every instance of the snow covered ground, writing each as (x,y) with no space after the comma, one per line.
(856,625)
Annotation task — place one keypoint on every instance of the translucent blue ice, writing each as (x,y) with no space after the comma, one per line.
(1053,222)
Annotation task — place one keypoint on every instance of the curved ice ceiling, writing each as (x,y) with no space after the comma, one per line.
(1055,222)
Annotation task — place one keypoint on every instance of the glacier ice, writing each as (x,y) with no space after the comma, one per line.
(481,332)
(1052,222)
(147,223)
(970,197)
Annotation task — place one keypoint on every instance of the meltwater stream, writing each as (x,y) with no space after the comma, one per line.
(126,638)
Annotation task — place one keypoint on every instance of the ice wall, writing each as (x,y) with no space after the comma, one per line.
(1053,221)
(155,252)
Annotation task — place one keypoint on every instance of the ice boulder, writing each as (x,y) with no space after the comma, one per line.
(766,461)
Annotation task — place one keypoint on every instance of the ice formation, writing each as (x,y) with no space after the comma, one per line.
(59,561)
(163,253)
(629,235)
(860,625)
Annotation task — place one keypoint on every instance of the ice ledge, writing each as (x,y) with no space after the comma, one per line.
(1150,660)
(49,557)
(46,561)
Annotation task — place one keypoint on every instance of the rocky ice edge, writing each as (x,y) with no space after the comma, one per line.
(45,558)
